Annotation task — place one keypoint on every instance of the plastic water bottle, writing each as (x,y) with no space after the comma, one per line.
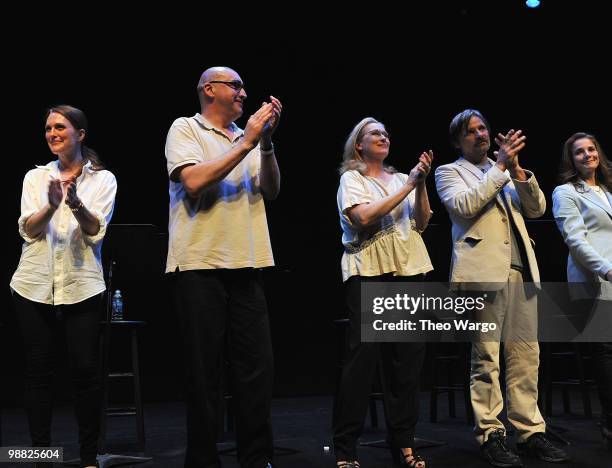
(117,306)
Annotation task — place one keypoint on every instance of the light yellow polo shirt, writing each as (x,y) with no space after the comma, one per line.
(226,226)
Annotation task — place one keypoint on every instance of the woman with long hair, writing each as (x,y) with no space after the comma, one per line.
(66,206)
(582,207)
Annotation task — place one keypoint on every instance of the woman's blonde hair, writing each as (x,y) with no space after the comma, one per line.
(351,159)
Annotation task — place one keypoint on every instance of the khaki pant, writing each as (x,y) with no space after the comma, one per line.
(514,309)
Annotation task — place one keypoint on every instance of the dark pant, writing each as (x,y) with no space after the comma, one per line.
(401,367)
(602,358)
(602,354)
(81,324)
(216,307)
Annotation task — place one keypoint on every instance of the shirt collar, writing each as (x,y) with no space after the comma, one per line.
(473,168)
(204,123)
(53,167)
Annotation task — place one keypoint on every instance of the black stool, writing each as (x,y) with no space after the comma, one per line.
(105,459)
(134,374)
(579,354)
(449,360)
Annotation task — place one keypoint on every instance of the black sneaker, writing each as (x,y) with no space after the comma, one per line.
(497,453)
(540,447)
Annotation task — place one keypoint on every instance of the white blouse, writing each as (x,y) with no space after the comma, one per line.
(602,194)
(63,265)
(392,245)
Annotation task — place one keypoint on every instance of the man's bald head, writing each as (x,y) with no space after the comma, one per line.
(220,90)
(215,73)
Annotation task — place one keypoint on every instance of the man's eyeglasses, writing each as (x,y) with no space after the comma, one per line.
(236,85)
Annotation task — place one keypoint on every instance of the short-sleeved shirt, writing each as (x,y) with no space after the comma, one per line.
(226,225)
(392,244)
(63,264)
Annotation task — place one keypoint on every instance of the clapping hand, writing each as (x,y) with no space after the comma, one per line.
(72,200)
(419,173)
(509,147)
(55,193)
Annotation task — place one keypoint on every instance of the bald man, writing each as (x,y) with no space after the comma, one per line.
(218,242)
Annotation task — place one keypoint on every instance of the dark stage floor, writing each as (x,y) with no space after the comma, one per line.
(303,424)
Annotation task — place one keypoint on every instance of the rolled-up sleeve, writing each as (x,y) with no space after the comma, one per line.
(30,204)
(102,206)
(22,222)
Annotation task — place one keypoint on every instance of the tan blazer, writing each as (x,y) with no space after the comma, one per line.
(481,229)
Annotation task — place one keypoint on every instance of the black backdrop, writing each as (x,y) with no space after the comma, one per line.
(412,67)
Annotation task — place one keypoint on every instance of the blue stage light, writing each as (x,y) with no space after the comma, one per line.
(532,3)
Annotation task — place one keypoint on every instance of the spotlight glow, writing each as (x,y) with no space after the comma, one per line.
(532,3)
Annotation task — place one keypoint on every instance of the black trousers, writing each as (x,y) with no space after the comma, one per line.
(216,307)
(602,358)
(401,369)
(80,324)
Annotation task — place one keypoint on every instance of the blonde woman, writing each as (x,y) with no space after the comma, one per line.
(382,214)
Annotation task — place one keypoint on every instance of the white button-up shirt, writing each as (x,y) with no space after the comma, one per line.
(63,265)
